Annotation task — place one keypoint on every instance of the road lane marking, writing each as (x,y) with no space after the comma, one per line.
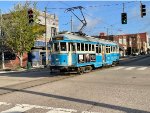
(18,109)
(129,68)
(142,68)
(117,68)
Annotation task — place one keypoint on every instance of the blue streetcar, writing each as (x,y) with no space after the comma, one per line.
(80,53)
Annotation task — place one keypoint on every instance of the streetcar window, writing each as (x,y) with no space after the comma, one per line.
(114,49)
(111,49)
(78,46)
(89,47)
(63,46)
(56,47)
(100,50)
(86,47)
(96,49)
(107,49)
(73,46)
(82,47)
(93,49)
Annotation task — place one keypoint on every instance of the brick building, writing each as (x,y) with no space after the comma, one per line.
(132,43)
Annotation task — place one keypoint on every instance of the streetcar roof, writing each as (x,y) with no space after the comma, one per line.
(69,36)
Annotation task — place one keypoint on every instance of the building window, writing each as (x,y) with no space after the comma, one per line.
(53,31)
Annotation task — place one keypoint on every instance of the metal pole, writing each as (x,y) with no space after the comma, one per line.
(71,24)
(46,35)
(131,45)
(107,35)
(3,59)
(123,7)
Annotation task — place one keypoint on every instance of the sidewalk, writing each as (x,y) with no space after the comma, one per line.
(22,70)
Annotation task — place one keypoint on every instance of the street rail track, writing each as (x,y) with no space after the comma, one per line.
(52,78)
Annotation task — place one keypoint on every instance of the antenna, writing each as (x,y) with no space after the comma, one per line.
(83,21)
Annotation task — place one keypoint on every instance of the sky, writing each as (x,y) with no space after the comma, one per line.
(101,16)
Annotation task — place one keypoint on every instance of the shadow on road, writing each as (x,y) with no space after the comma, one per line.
(34,74)
(136,61)
(109,106)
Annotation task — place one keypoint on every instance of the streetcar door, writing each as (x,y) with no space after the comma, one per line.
(103,53)
(70,53)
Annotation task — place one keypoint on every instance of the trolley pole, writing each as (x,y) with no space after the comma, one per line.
(46,36)
(2,42)
(71,24)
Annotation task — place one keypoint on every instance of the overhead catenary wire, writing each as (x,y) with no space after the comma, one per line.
(106,5)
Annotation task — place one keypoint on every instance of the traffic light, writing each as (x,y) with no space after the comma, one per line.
(124,18)
(30,16)
(143,10)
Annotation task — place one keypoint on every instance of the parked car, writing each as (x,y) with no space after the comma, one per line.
(134,54)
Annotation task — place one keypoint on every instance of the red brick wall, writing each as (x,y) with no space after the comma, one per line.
(15,63)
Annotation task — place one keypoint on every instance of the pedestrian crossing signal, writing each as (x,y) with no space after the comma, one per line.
(124,18)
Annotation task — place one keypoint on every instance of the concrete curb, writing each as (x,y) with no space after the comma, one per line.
(24,70)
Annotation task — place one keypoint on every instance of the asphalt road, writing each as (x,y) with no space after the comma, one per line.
(121,89)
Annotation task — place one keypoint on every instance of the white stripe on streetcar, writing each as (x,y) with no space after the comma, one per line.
(142,68)
(18,109)
(117,68)
(129,68)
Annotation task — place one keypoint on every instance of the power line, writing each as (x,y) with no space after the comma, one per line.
(91,6)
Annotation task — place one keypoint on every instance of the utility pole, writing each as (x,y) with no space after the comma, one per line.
(3,59)
(71,24)
(107,31)
(46,35)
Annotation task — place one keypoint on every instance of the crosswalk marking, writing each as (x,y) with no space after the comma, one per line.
(129,68)
(4,103)
(61,110)
(142,68)
(18,109)
(57,111)
(117,68)
(89,112)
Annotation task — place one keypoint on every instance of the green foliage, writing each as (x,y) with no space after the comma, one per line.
(19,34)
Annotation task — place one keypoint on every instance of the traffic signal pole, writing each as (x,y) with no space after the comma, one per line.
(3,59)
(46,36)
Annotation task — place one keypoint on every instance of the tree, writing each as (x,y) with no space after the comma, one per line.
(19,33)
